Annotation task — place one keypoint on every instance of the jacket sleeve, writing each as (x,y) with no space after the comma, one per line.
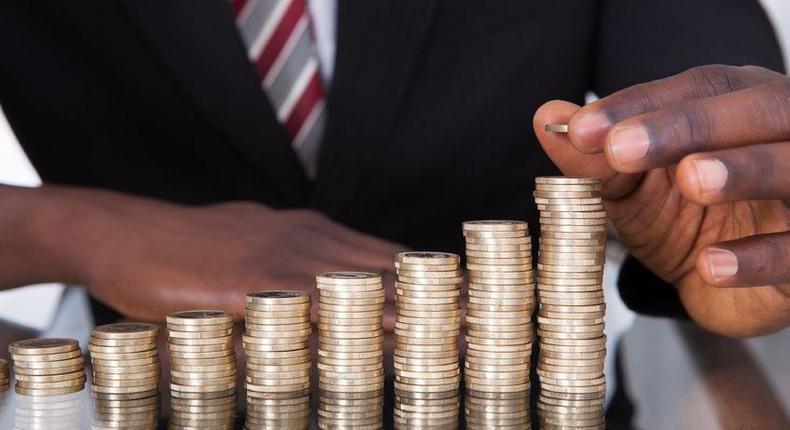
(643,40)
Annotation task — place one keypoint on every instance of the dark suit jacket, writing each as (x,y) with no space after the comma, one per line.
(429,112)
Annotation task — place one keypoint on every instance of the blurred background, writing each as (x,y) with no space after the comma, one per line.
(679,376)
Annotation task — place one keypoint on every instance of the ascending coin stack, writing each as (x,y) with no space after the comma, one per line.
(202,369)
(350,350)
(48,367)
(5,376)
(125,361)
(572,307)
(498,323)
(278,359)
(428,323)
(126,372)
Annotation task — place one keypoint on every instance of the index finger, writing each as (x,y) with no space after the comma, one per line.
(590,125)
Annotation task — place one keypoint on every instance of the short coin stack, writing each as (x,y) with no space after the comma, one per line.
(350,350)
(48,367)
(498,323)
(138,414)
(427,326)
(277,350)
(572,307)
(125,361)
(5,376)
(202,359)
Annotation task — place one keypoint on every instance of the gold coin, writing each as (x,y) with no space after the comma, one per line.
(22,366)
(425,267)
(48,391)
(199,317)
(494,225)
(277,297)
(349,278)
(46,357)
(430,281)
(351,302)
(556,128)
(98,349)
(42,346)
(130,330)
(426,258)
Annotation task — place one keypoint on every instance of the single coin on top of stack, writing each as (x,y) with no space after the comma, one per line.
(572,307)
(5,375)
(277,350)
(48,367)
(125,361)
(427,326)
(202,369)
(498,323)
(350,350)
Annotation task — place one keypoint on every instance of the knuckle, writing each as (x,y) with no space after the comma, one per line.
(714,79)
(693,128)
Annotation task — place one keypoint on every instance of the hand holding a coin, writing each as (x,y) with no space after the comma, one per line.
(696,173)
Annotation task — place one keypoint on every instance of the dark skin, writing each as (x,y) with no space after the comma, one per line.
(147,257)
(696,175)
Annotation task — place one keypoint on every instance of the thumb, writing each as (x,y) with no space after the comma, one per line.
(572,162)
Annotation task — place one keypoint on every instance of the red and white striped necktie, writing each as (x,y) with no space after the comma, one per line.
(280,45)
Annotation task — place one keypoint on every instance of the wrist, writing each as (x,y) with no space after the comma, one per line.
(41,236)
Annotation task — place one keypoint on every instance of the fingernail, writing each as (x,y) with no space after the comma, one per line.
(711,175)
(629,145)
(723,263)
(591,128)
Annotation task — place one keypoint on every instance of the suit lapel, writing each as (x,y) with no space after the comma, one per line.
(379,45)
(198,43)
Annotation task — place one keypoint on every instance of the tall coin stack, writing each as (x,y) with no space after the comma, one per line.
(350,350)
(202,359)
(427,326)
(125,361)
(48,367)
(5,376)
(572,308)
(277,349)
(498,323)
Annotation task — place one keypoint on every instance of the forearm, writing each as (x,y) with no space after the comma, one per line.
(41,236)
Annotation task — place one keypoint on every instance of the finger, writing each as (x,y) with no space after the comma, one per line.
(755,115)
(589,127)
(752,261)
(569,160)
(757,172)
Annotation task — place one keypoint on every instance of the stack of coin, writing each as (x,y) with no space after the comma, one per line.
(209,411)
(427,326)
(499,323)
(202,359)
(48,367)
(125,361)
(138,414)
(350,350)
(276,346)
(5,376)
(571,315)
(64,411)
